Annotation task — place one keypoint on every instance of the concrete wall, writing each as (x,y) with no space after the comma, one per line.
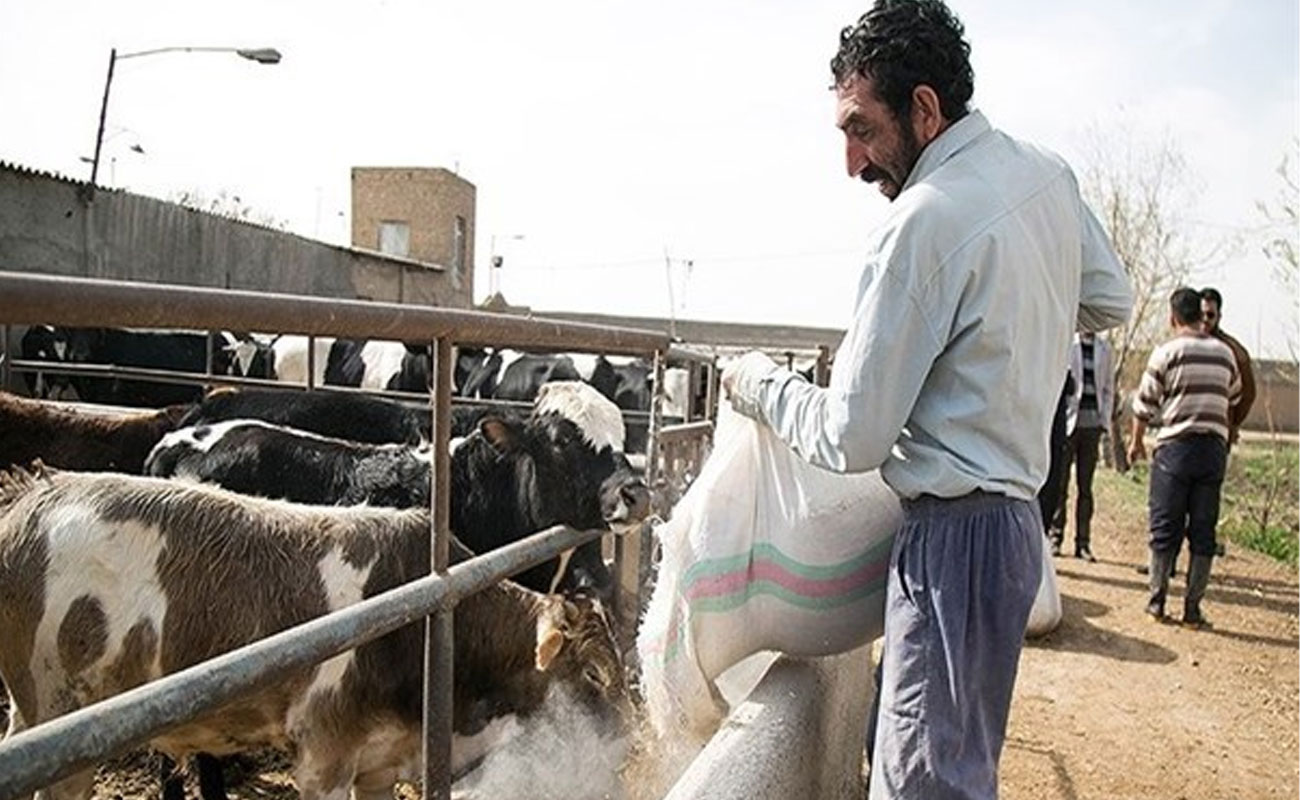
(1277,397)
(47,225)
(428,200)
(800,734)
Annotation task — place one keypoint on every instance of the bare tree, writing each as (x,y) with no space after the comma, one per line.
(226,204)
(1281,233)
(1141,192)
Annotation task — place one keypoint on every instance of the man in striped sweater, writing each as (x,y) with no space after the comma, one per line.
(1190,385)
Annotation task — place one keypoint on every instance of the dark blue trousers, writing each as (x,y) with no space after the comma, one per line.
(1183,500)
(963,577)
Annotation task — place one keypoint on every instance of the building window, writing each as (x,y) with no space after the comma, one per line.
(395,238)
(459,246)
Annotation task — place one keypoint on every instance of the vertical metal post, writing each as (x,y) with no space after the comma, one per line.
(438,632)
(311,361)
(6,369)
(652,480)
(822,371)
(208,341)
(711,391)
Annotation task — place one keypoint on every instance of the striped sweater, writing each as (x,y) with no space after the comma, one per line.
(1189,385)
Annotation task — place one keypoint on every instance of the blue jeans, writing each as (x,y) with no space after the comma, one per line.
(1183,499)
(963,576)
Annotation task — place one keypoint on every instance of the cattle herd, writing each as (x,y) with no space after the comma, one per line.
(482,373)
(134,545)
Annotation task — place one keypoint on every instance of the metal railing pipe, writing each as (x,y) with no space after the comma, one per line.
(44,299)
(44,754)
(439,634)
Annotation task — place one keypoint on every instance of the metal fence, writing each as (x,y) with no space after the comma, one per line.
(43,754)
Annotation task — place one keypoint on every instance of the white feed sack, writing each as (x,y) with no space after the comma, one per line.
(763,552)
(766,552)
(1045,616)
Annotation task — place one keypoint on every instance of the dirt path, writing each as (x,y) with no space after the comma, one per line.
(1112,705)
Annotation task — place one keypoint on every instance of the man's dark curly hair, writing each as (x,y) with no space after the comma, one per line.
(900,44)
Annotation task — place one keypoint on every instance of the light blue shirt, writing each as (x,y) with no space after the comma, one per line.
(951,366)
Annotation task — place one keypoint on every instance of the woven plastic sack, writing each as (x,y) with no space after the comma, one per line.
(1046,613)
(763,552)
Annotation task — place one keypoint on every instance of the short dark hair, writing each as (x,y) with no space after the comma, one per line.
(1185,305)
(1212,294)
(901,44)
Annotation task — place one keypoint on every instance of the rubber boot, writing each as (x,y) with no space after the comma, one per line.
(1198,579)
(1158,582)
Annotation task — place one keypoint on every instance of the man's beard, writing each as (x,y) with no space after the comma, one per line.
(891,177)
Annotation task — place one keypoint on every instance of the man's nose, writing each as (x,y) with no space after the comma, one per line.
(855,158)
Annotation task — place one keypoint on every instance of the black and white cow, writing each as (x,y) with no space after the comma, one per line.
(88,610)
(373,364)
(39,343)
(249,355)
(342,416)
(180,352)
(513,375)
(492,495)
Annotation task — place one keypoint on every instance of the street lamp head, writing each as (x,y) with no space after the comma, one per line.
(262,55)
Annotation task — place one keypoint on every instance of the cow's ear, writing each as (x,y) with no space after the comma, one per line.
(497,433)
(550,640)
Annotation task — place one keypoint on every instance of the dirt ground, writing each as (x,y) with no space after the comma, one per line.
(1112,705)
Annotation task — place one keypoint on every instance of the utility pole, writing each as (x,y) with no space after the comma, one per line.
(672,299)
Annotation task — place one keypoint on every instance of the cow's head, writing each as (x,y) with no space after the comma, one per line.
(561,465)
(588,428)
(577,650)
(42,343)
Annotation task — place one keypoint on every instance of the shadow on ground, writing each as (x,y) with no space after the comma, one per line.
(1076,634)
(1224,588)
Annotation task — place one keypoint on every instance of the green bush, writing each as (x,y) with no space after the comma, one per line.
(1260,491)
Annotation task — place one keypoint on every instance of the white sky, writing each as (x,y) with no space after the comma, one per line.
(611,133)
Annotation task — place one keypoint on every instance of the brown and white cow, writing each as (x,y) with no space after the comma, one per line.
(110,581)
(79,439)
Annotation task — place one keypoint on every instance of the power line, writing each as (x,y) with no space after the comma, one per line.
(698,261)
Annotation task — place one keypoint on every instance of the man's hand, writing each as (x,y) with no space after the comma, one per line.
(1137,450)
(741,380)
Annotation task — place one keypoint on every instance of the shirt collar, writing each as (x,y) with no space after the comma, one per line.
(948,144)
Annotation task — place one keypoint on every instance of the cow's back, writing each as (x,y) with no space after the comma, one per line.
(108,581)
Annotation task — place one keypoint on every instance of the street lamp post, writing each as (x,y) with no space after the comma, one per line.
(495,262)
(262,55)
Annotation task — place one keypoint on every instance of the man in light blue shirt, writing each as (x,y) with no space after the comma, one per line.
(946,380)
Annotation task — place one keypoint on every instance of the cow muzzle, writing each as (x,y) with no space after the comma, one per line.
(624,499)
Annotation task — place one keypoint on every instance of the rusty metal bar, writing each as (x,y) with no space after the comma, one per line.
(43,299)
(822,370)
(678,356)
(6,359)
(671,434)
(44,754)
(311,362)
(711,393)
(439,635)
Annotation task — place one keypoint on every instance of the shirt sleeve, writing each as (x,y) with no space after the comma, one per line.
(852,425)
(1151,390)
(1105,297)
(1247,373)
(1234,392)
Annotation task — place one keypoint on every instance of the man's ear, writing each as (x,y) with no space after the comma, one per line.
(927,114)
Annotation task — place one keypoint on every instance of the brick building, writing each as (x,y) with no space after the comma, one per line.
(425,214)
